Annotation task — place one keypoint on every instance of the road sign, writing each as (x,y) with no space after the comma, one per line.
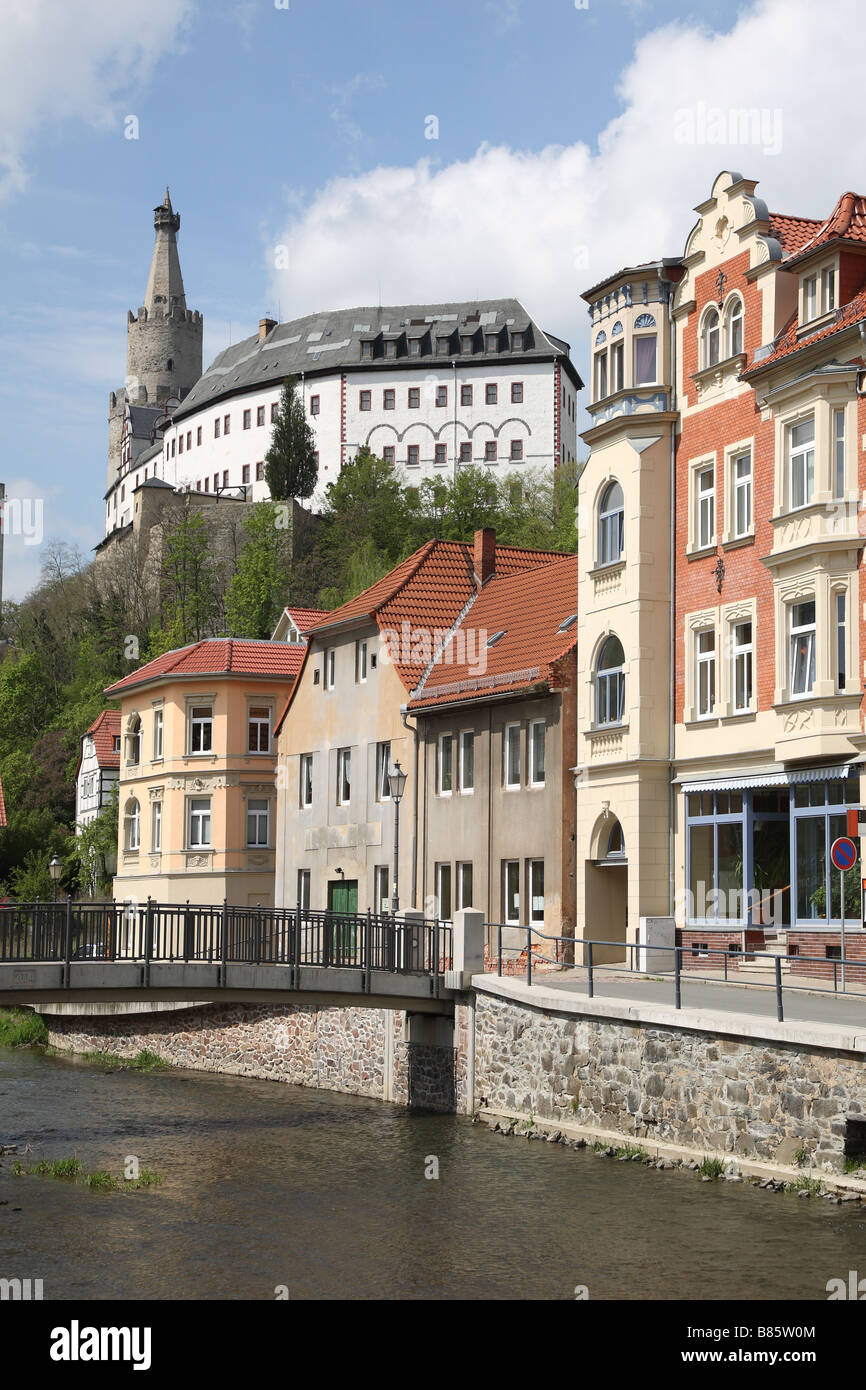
(843,853)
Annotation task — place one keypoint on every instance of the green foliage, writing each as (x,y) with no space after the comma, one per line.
(259,587)
(30,879)
(20,1028)
(711,1167)
(190,580)
(91,854)
(291,470)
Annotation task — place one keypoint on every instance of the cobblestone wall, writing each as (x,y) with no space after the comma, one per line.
(337,1049)
(762,1100)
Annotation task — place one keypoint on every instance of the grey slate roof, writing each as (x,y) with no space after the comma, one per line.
(143,418)
(331,341)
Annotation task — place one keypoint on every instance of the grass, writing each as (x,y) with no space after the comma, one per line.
(801,1157)
(711,1167)
(98,1181)
(804,1184)
(142,1061)
(21,1028)
(630,1151)
(853,1162)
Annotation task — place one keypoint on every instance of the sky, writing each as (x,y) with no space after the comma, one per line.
(339,153)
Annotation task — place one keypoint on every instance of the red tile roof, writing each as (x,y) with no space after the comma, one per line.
(218,656)
(305,618)
(104,729)
(788,341)
(528,608)
(847,222)
(792,233)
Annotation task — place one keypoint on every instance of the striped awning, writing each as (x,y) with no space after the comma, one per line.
(772,779)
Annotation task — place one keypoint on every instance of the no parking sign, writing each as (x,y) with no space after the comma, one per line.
(843,853)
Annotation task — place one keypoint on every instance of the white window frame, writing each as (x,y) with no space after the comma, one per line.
(535,914)
(511,757)
(611,525)
(303,901)
(796,631)
(132,826)
(534,726)
(840,471)
(511,918)
(199,818)
(705,661)
(199,724)
(156,827)
(461,865)
(305,786)
(330,667)
(443,869)
(466,739)
(383,764)
(344,777)
(443,741)
(259,722)
(158,735)
(742,656)
(737,487)
(609,688)
(711,337)
(642,338)
(841,665)
(361,661)
(705,507)
(734,314)
(381,889)
(259,808)
(800,460)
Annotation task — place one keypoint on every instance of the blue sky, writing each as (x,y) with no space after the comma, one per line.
(305,127)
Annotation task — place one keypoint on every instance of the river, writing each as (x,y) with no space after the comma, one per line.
(269,1185)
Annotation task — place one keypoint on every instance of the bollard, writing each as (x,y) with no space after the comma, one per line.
(590,981)
(678,1001)
(779,1011)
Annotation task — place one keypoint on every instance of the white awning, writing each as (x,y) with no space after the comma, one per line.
(772,779)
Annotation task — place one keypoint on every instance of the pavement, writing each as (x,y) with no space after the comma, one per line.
(801,1003)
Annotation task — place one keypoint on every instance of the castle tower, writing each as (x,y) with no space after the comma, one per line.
(163,343)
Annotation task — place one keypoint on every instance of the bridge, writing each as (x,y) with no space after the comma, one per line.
(117,952)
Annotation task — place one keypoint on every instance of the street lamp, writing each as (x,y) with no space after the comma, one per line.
(55,868)
(396,786)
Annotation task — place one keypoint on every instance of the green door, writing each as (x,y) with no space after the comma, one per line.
(343,897)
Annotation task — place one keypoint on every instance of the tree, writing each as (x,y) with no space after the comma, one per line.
(259,587)
(191,600)
(291,469)
(92,854)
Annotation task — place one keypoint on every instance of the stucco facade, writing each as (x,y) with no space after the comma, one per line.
(197,793)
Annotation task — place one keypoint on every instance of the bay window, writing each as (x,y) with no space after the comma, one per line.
(802,648)
(801,462)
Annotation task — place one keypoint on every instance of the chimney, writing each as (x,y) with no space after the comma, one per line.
(265,326)
(485,555)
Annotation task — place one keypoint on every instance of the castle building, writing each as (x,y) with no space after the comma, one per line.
(723,564)
(163,363)
(427,387)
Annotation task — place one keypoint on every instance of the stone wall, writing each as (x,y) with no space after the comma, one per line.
(361,1051)
(720,1095)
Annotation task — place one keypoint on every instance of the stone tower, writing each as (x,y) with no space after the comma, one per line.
(164,343)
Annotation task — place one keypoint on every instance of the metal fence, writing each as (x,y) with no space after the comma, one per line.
(186,932)
(567,948)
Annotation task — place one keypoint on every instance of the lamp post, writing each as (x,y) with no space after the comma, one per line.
(55,868)
(396,786)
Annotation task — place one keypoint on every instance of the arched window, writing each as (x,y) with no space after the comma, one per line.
(711,338)
(601,338)
(610,683)
(616,330)
(734,327)
(615,842)
(131,825)
(644,321)
(610,525)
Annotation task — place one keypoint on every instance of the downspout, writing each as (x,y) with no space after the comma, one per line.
(413,729)
(672,566)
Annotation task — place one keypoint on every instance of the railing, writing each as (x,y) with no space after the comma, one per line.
(152,932)
(566,949)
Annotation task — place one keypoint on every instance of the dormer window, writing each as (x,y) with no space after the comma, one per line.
(492,342)
(390,347)
(366,350)
(414,347)
(517,342)
(466,343)
(828,288)
(810,298)
(442,346)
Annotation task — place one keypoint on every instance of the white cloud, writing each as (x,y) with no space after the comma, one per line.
(75,62)
(509,221)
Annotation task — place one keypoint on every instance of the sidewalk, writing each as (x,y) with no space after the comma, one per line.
(753,994)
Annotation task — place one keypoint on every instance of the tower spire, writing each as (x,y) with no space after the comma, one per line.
(165,283)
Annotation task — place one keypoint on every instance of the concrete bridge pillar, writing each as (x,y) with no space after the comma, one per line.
(467,954)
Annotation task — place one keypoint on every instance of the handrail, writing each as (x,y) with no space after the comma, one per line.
(679,953)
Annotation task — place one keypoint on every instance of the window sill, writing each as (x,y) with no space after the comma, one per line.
(739,716)
(701,721)
(612,567)
(600,730)
(700,552)
(737,542)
